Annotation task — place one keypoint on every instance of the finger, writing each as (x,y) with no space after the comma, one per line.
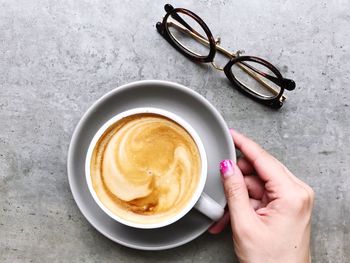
(220,225)
(255,186)
(266,166)
(256,204)
(263,211)
(302,185)
(245,166)
(236,193)
(297,180)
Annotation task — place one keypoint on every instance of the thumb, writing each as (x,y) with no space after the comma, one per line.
(236,193)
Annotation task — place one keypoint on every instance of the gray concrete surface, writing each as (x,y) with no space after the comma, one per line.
(58,57)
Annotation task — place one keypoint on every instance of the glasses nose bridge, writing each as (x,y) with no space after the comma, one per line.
(216,66)
(224,52)
(217,43)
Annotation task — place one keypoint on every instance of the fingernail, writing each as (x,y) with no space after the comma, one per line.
(226,168)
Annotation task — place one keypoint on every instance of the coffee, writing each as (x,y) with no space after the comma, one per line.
(145,168)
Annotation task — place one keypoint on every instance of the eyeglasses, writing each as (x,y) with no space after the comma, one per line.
(253,76)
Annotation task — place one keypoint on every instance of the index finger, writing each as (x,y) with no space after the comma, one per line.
(266,166)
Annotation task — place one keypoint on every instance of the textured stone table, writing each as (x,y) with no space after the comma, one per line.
(58,57)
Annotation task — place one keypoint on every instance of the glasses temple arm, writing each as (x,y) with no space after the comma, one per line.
(201,39)
(178,18)
(286,82)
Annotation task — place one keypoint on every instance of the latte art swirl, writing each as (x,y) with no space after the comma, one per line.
(145,166)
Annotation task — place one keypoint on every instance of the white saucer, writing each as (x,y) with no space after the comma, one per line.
(190,106)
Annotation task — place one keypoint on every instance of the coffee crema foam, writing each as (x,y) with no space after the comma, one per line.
(145,168)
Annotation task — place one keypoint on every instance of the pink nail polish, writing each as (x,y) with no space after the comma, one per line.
(226,168)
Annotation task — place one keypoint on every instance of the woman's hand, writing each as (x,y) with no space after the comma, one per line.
(269,208)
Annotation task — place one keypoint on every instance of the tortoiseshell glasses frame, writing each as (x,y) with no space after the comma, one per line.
(268,81)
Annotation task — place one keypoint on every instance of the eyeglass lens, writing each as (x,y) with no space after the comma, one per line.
(259,85)
(186,38)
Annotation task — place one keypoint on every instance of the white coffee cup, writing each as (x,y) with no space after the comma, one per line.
(199,200)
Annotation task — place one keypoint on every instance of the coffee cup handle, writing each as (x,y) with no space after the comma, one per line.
(209,207)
